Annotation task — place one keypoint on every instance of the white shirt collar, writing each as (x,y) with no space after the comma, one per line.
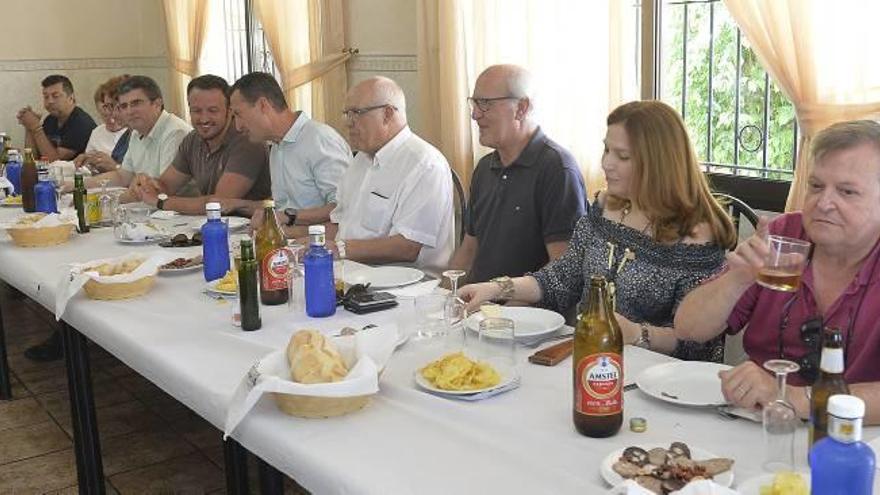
(385,152)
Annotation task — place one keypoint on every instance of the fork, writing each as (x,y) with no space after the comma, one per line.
(543,340)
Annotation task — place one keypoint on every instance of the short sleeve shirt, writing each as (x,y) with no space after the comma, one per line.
(307,164)
(103,140)
(405,189)
(514,211)
(153,153)
(773,318)
(74,134)
(235,155)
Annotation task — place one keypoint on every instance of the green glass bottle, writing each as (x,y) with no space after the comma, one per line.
(248,288)
(79,202)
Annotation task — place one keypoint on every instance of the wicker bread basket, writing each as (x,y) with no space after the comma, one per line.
(304,406)
(40,237)
(124,290)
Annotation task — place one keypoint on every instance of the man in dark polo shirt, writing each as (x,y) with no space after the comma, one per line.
(65,132)
(214,159)
(527,195)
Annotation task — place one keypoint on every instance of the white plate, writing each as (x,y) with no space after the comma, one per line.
(724,479)
(187,269)
(508,374)
(687,383)
(212,287)
(234,223)
(752,486)
(381,277)
(9,205)
(529,323)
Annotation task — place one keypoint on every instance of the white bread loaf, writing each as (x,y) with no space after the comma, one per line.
(314,359)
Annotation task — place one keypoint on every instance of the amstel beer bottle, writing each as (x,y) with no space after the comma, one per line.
(598,366)
(272,256)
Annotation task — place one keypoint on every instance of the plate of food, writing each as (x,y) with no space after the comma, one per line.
(687,383)
(784,483)
(457,374)
(662,469)
(141,233)
(233,223)
(529,323)
(182,265)
(11,201)
(182,240)
(226,286)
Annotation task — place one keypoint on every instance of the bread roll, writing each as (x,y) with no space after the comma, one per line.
(314,359)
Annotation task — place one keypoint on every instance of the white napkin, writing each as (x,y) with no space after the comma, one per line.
(4,186)
(365,353)
(163,214)
(415,290)
(140,231)
(76,275)
(699,487)
(67,215)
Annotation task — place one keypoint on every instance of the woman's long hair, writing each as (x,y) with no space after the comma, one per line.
(667,183)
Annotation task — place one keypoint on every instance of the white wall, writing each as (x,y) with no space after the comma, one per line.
(385,33)
(89,41)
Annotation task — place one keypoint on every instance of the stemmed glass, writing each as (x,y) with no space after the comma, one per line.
(780,421)
(340,282)
(453,276)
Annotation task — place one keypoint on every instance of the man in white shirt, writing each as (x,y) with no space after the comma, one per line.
(395,200)
(306,159)
(155,138)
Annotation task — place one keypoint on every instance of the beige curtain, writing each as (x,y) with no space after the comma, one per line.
(307,39)
(819,53)
(186,23)
(575,50)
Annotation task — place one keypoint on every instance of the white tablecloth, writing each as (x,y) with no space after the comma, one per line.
(405,441)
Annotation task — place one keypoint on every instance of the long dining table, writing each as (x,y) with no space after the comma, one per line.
(404,441)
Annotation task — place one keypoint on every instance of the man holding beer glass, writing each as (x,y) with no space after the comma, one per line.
(784,294)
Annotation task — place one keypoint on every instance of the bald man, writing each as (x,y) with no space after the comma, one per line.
(394,202)
(527,195)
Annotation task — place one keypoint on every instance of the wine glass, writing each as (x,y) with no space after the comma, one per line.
(780,421)
(340,282)
(453,276)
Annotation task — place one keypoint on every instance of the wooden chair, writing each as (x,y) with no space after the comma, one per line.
(460,207)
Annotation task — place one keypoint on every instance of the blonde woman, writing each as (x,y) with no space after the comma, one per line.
(656,233)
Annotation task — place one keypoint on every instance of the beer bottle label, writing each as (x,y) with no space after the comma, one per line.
(273,272)
(599,384)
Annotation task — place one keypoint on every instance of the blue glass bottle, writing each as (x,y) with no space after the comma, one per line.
(320,288)
(841,464)
(13,171)
(44,192)
(215,244)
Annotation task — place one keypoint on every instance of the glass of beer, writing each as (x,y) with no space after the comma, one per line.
(784,264)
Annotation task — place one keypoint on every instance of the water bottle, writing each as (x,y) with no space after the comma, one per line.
(13,171)
(841,464)
(215,244)
(319,285)
(44,192)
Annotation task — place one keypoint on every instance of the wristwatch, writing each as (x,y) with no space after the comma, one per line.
(505,283)
(160,201)
(644,340)
(291,217)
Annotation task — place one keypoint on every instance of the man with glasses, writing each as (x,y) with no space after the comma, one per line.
(527,195)
(65,132)
(839,287)
(306,158)
(395,200)
(155,138)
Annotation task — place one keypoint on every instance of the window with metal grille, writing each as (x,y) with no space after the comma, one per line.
(235,44)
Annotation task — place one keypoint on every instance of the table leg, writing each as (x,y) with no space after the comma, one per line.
(86,444)
(5,381)
(235,459)
(271,479)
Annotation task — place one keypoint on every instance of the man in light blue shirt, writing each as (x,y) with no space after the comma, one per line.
(307,158)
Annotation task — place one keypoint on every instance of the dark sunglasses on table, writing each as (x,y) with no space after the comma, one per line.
(811,333)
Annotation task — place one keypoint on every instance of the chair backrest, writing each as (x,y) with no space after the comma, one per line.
(460,207)
(737,209)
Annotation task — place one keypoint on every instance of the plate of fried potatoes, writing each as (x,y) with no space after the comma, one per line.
(227,286)
(457,374)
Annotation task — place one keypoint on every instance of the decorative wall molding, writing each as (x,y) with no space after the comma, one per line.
(383,63)
(83,64)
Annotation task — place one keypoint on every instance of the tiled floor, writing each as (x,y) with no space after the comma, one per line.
(150,442)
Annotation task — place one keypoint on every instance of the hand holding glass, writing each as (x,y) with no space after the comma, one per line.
(784,264)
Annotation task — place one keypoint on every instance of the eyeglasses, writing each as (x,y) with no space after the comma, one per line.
(485,104)
(353,113)
(132,104)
